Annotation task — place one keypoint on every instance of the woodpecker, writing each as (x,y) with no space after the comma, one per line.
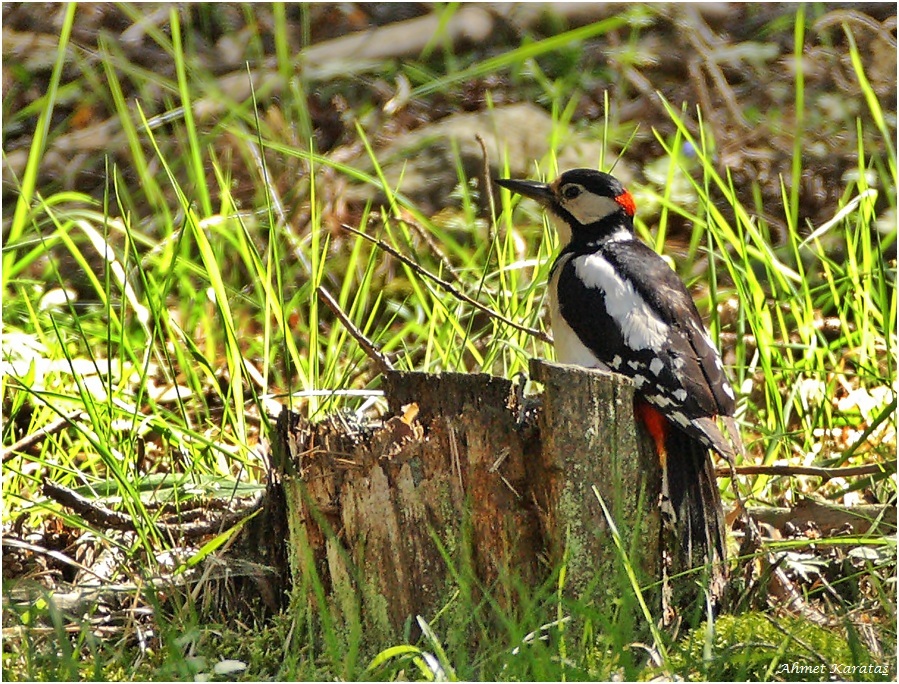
(615,304)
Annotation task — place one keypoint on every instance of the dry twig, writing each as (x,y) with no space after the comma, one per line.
(101,516)
(814,471)
(369,347)
(539,334)
(488,186)
(30,440)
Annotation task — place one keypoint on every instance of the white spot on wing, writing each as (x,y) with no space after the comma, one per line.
(639,325)
(679,418)
(728,390)
(616,362)
(636,365)
(656,365)
(661,401)
(680,395)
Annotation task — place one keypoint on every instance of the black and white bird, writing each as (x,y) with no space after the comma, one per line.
(617,305)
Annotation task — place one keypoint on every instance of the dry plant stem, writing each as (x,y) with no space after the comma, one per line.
(642,84)
(380,359)
(425,235)
(853,17)
(50,553)
(702,90)
(488,186)
(539,334)
(101,516)
(76,600)
(35,437)
(701,38)
(826,473)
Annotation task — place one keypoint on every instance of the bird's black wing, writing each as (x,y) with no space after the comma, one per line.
(649,302)
(666,293)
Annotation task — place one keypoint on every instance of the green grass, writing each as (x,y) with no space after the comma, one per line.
(178,304)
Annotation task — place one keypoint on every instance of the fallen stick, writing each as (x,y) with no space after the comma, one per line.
(814,471)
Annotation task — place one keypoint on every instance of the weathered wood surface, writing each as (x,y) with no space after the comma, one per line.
(589,446)
(475,481)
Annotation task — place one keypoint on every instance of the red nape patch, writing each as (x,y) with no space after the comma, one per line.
(657,426)
(626,200)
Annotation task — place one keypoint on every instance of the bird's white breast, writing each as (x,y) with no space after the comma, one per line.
(568,346)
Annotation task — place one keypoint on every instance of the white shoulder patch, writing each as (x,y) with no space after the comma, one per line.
(639,325)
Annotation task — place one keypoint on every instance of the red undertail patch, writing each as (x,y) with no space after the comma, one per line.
(657,426)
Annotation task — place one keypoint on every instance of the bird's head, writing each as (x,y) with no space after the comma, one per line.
(582,202)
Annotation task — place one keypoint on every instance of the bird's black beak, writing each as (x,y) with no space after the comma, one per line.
(536,191)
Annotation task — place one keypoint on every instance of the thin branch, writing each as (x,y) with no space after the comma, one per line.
(853,17)
(700,36)
(92,512)
(369,347)
(826,473)
(97,514)
(30,440)
(429,240)
(539,334)
(50,553)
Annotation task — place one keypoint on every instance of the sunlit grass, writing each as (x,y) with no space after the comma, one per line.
(197,305)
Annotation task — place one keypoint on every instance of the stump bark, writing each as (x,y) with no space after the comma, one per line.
(468,476)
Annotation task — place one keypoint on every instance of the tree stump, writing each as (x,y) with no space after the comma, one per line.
(467,474)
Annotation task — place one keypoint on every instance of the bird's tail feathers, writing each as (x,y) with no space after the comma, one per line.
(707,431)
(696,504)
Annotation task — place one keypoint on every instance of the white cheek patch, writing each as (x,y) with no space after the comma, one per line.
(639,325)
(588,208)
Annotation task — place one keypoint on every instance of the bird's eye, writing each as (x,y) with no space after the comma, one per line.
(571,191)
